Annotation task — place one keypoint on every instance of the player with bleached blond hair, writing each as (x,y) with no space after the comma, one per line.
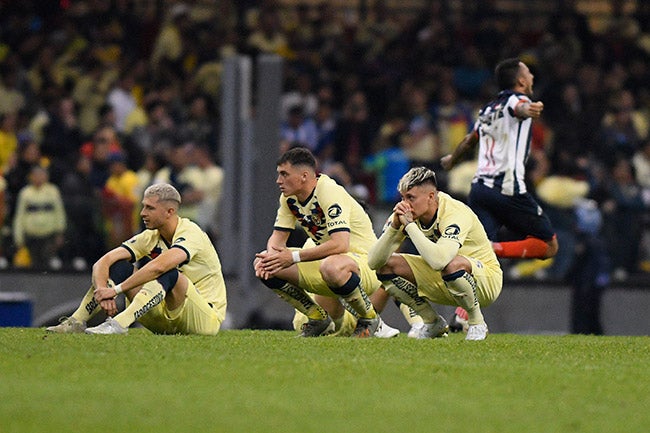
(455,264)
(179,289)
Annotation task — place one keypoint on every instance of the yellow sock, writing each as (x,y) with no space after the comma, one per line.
(150,295)
(407,293)
(462,287)
(301,301)
(359,300)
(88,307)
(410,314)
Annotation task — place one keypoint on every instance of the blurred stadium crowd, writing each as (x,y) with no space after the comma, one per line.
(110,96)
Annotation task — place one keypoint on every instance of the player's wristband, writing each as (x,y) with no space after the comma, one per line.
(296,256)
(118,289)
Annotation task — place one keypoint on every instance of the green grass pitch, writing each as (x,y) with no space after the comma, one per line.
(269,381)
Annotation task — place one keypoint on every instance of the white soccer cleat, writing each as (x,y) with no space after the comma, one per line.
(477,332)
(437,329)
(385,331)
(67,325)
(110,326)
(415,330)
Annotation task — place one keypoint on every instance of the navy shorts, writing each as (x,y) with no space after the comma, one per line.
(520,214)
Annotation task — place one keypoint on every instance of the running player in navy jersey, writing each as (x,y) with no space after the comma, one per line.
(498,193)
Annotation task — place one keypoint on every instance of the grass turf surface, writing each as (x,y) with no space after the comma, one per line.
(269,381)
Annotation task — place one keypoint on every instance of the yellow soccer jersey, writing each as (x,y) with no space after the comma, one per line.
(202,267)
(455,221)
(329,209)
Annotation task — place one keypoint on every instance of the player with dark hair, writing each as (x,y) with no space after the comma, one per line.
(498,194)
(334,265)
(179,290)
(455,264)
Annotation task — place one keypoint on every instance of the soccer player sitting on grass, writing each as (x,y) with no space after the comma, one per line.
(455,266)
(162,298)
(336,266)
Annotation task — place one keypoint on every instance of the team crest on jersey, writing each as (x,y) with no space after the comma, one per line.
(313,222)
(155,252)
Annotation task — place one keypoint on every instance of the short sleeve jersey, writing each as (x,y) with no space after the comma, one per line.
(504,144)
(455,221)
(202,266)
(329,209)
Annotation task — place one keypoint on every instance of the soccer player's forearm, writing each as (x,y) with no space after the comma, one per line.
(388,242)
(436,255)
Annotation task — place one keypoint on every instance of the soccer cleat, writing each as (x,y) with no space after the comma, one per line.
(67,325)
(415,330)
(477,332)
(437,329)
(459,322)
(317,328)
(366,328)
(385,331)
(110,326)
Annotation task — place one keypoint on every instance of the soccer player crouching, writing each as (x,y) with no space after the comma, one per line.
(455,266)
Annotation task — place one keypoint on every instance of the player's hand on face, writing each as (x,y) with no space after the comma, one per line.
(403,213)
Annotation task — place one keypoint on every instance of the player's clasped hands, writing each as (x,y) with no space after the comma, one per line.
(268,263)
(106,298)
(402,214)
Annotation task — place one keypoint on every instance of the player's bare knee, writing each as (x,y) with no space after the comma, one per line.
(335,269)
(458,263)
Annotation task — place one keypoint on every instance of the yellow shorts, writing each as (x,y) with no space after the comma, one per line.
(312,281)
(489,281)
(195,316)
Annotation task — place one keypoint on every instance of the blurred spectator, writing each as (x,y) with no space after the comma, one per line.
(105,142)
(299,129)
(120,98)
(590,274)
(355,133)
(85,234)
(61,136)
(212,185)
(169,44)
(451,117)
(119,201)
(186,177)
(623,212)
(420,142)
(619,135)
(389,163)
(40,221)
(326,126)
(300,93)
(28,155)
(641,163)
(199,124)
(11,98)
(267,36)
(8,140)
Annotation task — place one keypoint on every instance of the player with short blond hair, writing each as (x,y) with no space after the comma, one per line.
(179,289)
